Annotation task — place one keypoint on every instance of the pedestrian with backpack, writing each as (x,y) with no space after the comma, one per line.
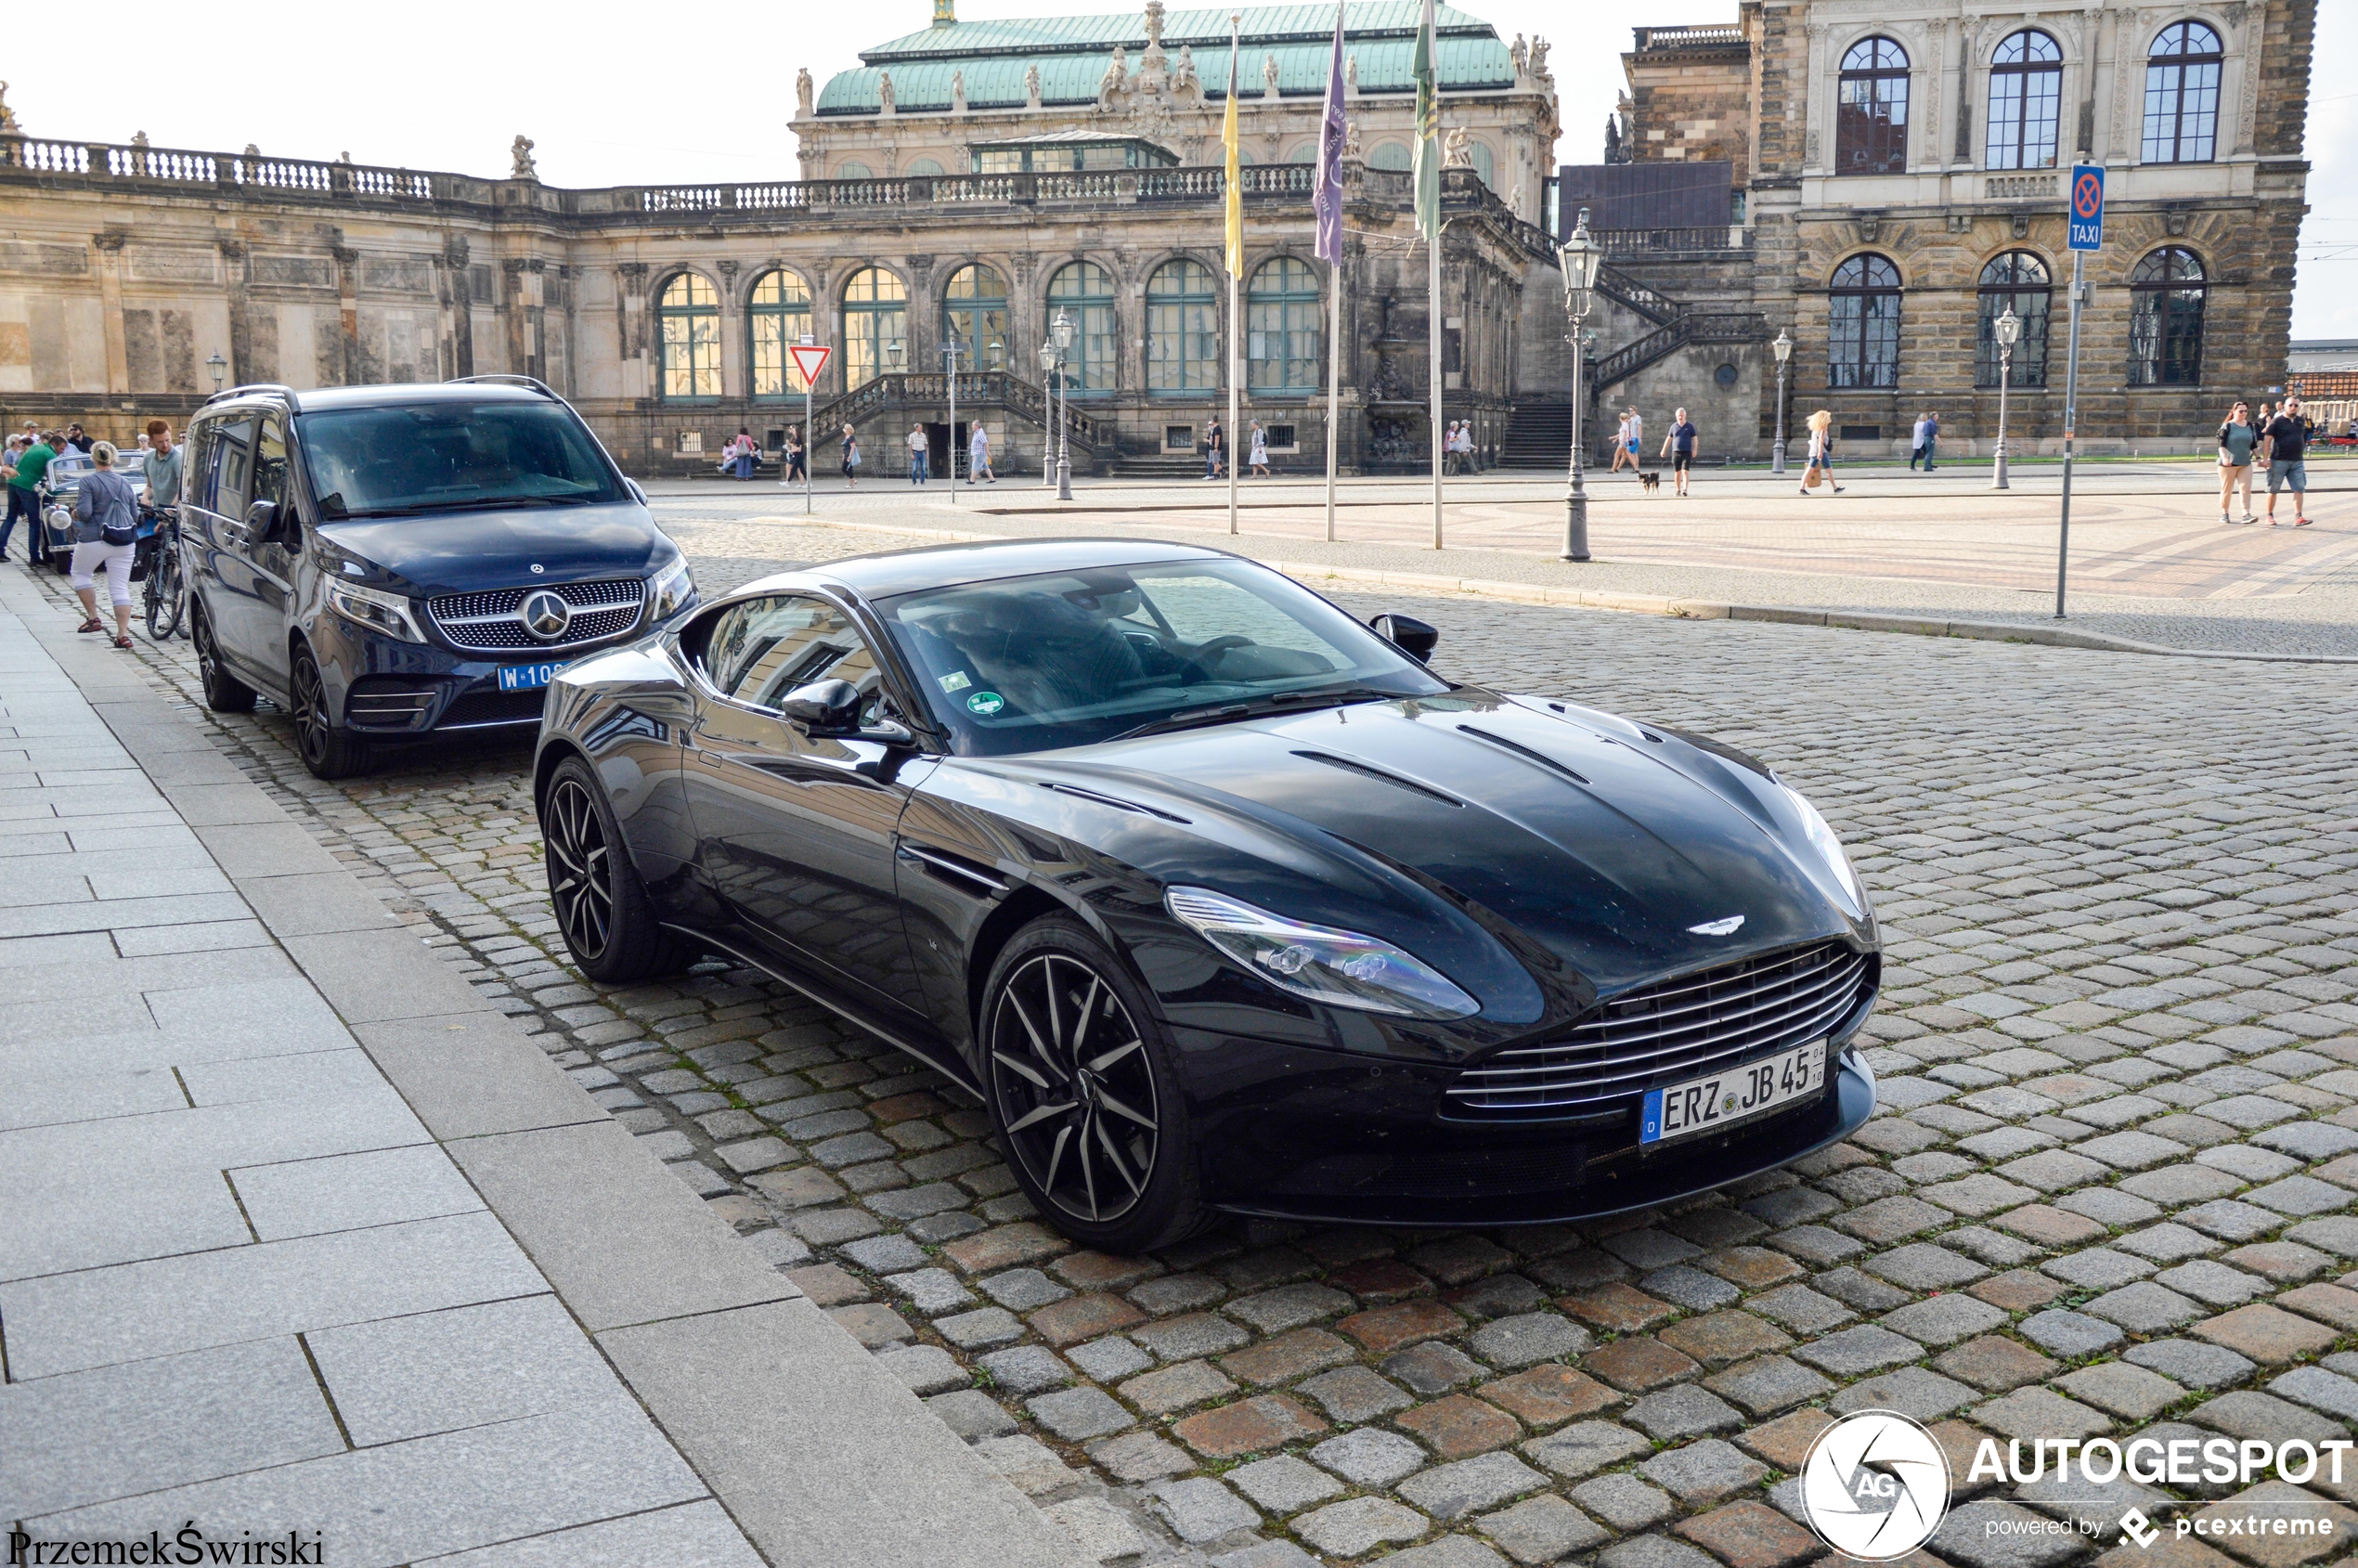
(106,529)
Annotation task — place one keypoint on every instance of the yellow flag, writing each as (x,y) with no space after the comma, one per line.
(1235,187)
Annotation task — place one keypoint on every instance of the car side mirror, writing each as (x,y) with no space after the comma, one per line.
(637,494)
(1408,634)
(823,707)
(261,522)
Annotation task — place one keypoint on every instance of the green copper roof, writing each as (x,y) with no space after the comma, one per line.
(1071,53)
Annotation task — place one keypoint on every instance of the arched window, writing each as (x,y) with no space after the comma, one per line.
(925,166)
(1183,328)
(2018,281)
(1281,328)
(2165,319)
(1389,155)
(2026,101)
(688,328)
(1306,154)
(852,169)
(973,311)
(876,322)
(2181,94)
(1863,324)
(1870,121)
(1084,292)
(777,317)
(1485,164)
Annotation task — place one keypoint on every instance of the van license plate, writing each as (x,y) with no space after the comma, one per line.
(1736,1094)
(526,677)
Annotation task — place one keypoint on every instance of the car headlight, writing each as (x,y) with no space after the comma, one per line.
(1342,968)
(374,608)
(1820,834)
(670,588)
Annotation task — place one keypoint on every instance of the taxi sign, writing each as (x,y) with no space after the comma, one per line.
(809,359)
(2087,207)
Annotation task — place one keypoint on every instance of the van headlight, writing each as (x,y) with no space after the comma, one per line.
(1341,969)
(375,609)
(670,588)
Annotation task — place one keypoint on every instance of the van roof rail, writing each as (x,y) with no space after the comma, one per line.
(250,386)
(500,379)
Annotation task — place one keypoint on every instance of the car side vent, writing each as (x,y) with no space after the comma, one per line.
(1526,753)
(1350,765)
(1115,801)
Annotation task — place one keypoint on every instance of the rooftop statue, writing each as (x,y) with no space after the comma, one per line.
(802,92)
(521,166)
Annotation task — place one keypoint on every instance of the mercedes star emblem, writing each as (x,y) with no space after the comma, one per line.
(545,614)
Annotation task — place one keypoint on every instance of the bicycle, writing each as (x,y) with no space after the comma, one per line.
(165,585)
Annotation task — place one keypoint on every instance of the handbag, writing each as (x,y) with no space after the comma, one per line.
(1812,476)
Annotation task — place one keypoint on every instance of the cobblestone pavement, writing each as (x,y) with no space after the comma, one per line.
(2108,1190)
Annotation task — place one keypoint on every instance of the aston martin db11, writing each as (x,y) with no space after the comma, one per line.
(1220,899)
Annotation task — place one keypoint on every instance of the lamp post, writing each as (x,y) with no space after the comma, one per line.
(219,367)
(1052,358)
(1580,258)
(950,350)
(1782,349)
(2008,329)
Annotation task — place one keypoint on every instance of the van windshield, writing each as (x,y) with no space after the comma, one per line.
(414,458)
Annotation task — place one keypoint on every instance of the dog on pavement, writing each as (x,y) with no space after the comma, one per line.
(1652,482)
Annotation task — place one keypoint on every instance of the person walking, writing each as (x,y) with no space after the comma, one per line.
(2238,437)
(1679,447)
(160,466)
(795,461)
(1621,446)
(850,458)
(1257,454)
(24,495)
(1821,452)
(1637,438)
(106,529)
(2284,443)
(978,454)
(917,450)
(1212,440)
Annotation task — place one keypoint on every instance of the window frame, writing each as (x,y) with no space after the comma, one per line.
(978,310)
(1093,323)
(1991,299)
(2157,314)
(2166,73)
(863,335)
(1859,371)
(1172,316)
(698,643)
(692,314)
(2032,79)
(781,315)
(1857,119)
(1290,324)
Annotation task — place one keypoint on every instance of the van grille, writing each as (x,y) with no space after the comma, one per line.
(1694,1024)
(487,622)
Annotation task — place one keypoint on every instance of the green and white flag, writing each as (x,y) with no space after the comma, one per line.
(1428,132)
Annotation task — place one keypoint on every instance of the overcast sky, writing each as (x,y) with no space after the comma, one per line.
(615,95)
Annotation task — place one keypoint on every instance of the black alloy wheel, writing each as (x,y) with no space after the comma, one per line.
(603,908)
(223,693)
(329,752)
(1089,1117)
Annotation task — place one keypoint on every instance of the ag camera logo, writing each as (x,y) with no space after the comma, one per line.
(1875,1485)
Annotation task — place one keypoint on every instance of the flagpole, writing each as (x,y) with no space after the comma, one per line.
(1326,219)
(1427,168)
(1334,383)
(1233,197)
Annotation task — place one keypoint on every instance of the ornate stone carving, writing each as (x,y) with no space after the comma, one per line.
(1539,57)
(8,126)
(1457,149)
(634,278)
(2175,221)
(522,167)
(802,93)
(1031,86)
(1117,77)
(884,91)
(1869,227)
(110,239)
(2022,225)
(957,91)
(1269,76)
(1520,54)
(454,250)
(728,270)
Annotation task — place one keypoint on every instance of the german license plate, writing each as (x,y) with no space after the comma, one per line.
(526,677)
(1736,1094)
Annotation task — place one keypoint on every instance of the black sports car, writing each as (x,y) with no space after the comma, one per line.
(1218,898)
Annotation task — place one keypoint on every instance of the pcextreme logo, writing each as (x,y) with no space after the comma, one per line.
(1875,1485)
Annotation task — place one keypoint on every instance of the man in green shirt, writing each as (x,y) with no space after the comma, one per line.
(24,496)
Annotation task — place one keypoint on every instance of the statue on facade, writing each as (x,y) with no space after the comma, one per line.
(1032,85)
(8,126)
(519,155)
(1351,73)
(1457,149)
(1350,140)
(1117,74)
(957,91)
(1185,80)
(1538,55)
(1269,76)
(1154,24)
(1520,53)
(802,92)
(884,91)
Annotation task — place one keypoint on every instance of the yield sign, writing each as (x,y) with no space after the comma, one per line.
(809,359)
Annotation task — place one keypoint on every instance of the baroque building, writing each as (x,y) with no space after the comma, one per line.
(1875,179)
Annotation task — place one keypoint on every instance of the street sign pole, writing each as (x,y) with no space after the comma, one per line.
(811,358)
(2086,222)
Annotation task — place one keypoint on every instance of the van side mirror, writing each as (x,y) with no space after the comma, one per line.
(261,522)
(823,707)
(1407,633)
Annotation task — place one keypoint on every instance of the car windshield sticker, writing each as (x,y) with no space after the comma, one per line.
(985,702)
(955,681)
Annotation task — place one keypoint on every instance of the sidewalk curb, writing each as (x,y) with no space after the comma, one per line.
(1651,604)
(819,1454)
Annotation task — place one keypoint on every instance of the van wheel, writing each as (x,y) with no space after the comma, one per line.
(329,752)
(223,693)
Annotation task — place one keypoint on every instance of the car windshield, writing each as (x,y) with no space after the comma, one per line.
(1071,658)
(411,458)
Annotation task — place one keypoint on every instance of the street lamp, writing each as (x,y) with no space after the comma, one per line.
(1051,360)
(1580,257)
(219,367)
(1782,349)
(2008,329)
(950,348)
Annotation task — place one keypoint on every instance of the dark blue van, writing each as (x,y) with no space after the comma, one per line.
(393,561)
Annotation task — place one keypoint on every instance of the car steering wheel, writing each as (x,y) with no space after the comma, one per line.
(1215,647)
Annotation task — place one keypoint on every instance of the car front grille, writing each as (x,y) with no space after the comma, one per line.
(1679,1027)
(486,623)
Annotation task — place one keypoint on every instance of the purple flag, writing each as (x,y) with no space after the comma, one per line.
(1327,197)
